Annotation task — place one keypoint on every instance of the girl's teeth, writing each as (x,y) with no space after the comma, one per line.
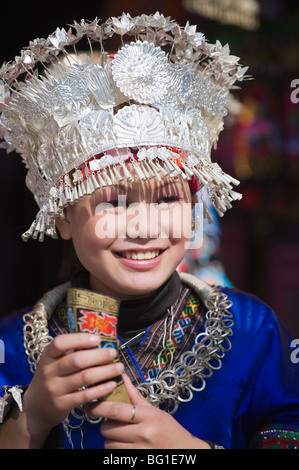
(140,255)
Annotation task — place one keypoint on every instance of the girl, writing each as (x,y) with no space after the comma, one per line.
(116,151)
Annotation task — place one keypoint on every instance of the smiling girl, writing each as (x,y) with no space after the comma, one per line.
(116,150)
(130,238)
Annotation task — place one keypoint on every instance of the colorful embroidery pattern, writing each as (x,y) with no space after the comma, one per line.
(97,322)
(60,320)
(177,336)
(280,437)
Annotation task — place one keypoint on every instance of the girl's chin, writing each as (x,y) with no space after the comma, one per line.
(129,287)
(139,291)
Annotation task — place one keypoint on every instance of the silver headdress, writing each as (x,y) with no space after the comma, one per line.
(162,95)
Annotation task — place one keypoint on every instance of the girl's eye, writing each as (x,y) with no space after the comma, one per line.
(117,203)
(167,199)
(120,201)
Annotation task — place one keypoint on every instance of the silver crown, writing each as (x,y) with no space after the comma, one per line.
(165,90)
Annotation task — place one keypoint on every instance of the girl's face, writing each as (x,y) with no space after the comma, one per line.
(131,237)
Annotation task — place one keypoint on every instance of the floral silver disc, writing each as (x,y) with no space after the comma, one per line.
(142,72)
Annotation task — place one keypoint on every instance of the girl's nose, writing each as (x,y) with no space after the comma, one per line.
(142,221)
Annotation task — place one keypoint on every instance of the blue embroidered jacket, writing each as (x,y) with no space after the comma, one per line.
(256,387)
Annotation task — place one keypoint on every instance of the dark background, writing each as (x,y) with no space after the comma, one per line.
(260,235)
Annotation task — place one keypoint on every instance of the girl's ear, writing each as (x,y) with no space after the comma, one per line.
(64,226)
(194,199)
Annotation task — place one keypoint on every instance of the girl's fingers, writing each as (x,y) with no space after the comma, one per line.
(62,344)
(83,359)
(123,412)
(120,412)
(73,361)
(135,396)
(89,377)
(97,392)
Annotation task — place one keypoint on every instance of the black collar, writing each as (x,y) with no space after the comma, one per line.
(135,315)
(138,314)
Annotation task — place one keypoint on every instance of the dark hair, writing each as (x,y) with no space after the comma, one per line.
(70,266)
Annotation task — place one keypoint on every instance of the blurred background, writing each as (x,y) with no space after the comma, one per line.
(259,238)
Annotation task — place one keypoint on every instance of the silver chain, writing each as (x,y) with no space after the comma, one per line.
(189,373)
(36,334)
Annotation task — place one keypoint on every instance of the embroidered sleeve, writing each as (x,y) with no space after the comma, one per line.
(279,436)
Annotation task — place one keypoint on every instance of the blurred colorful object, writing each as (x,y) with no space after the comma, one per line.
(257,136)
(204,261)
(244,14)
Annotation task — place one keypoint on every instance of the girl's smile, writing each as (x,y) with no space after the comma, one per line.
(145,259)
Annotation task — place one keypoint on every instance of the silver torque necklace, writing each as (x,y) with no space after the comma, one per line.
(177,382)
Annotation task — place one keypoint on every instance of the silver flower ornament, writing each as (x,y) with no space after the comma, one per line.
(122,25)
(142,72)
(59,39)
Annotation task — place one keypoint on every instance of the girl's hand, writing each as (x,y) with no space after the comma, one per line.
(69,362)
(151,428)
